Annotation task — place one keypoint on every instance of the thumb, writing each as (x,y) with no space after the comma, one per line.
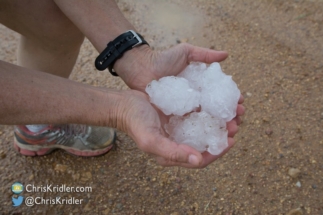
(204,55)
(171,153)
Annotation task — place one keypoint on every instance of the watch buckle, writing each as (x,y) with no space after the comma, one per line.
(137,37)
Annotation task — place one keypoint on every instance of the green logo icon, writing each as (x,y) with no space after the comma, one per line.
(17,188)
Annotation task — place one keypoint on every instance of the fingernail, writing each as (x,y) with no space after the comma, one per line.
(192,159)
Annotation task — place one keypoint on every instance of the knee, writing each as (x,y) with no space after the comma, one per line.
(58,32)
(42,22)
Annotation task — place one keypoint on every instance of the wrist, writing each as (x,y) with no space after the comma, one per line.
(134,66)
(119,108)
(108,107)
(116,48)
(132,56)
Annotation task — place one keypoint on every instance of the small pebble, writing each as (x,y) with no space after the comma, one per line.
(76,176)
(298,184)
(106,211)
(293,172)
(296,211)
(87,207)
(87,176)
(31,177)
(183,40)
(2,154)
(60,168)
(314,186)
(269,131)
(249,94)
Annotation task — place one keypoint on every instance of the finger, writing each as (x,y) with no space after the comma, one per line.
(232,128)
(172,152)
(238,120)
(204,55)
(207,158)
(241,99)
(240,110)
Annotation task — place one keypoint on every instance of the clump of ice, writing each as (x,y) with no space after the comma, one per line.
(193,73)
(199,130)
(198,85)
(173,95)
(219,94)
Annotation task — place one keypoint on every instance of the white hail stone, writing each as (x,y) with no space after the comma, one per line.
(200,131)
(193,73)
(219,93)
(173,95)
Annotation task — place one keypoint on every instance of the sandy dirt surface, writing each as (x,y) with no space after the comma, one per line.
(276,166)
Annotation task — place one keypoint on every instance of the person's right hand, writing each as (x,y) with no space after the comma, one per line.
(145,125)
(141,65)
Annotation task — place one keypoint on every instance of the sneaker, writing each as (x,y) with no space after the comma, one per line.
(78,140)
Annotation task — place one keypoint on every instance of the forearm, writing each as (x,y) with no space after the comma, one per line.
(100,20)
(31,97)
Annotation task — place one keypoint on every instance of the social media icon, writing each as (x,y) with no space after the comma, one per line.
(17,201)
(17,188)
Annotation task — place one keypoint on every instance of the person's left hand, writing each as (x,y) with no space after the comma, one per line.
(145,125)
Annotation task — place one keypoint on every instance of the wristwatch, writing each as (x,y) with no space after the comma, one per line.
(116,48)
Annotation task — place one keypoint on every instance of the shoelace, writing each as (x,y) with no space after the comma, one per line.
(64,133)
(74,130)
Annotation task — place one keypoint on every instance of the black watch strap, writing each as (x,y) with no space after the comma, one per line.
(116,48)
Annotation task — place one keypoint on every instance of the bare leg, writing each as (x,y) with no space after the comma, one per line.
(49,41)
(59,62)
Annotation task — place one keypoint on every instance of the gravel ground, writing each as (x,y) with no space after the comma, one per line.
(276,166)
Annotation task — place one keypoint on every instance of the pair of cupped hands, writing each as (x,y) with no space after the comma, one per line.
(143,122)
